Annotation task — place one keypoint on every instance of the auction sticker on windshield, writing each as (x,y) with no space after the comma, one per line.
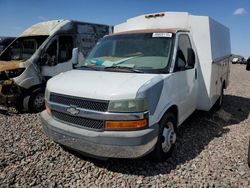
(168,35)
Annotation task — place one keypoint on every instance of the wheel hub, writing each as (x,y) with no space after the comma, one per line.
(39,101)
(169,136)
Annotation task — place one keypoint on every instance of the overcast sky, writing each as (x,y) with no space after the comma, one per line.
(17,15)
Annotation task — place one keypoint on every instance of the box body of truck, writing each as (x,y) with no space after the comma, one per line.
(41,52)
(142,82)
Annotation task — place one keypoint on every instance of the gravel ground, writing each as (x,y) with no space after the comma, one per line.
(211,152)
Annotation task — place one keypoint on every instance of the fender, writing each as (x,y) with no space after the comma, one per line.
(170,107)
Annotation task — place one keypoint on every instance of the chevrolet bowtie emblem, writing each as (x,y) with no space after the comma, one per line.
(73,111)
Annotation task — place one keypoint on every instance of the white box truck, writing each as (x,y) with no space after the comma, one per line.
(41,52)
(138,85)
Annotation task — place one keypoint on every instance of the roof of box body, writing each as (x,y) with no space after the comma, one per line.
(170,30)
(164,20)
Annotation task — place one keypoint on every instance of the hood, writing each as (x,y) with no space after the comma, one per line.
(11,65)
(99,84)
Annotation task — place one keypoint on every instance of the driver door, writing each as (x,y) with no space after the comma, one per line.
(58,56)
(184,80)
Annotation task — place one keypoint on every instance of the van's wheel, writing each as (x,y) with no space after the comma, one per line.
(37,101)
(219,102)
(166,138)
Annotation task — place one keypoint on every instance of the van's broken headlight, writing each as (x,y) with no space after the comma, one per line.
(47,96)
(132,105)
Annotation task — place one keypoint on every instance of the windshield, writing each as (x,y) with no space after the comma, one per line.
(23,48)
(149,52)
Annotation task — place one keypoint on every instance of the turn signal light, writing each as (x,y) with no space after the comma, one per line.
(48,109)
(135,124)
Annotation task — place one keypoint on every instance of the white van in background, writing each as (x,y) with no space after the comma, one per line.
(41,52)
(138,85)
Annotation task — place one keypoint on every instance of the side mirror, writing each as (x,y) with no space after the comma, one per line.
(75,56)
(248,65)
(191,57)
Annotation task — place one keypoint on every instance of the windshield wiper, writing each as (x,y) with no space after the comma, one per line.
(123,69)
(90,67)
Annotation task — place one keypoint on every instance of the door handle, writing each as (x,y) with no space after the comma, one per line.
(195,74)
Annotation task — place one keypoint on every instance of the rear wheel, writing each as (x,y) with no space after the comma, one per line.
(219,102)
(166,138)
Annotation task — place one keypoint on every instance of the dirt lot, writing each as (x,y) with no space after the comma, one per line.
(211,152)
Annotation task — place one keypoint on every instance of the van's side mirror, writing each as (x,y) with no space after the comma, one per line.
(75,56)
(248,65)
(191,57)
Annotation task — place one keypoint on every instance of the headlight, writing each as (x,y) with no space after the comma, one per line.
(132,105)
(47,94)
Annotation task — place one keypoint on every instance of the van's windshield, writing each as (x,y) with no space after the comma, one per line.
(22,48)
(146,52)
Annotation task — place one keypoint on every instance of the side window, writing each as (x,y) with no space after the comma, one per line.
(184,46)
(52,53)
(65,48)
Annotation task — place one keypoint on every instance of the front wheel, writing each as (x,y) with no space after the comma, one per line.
(166,138)
(37,101)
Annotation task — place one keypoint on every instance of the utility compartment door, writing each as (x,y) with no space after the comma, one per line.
(58,56)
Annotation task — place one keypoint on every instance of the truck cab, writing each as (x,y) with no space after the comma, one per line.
(138,85)
(41,52)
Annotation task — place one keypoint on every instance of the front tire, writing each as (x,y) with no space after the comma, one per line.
(37,101)
(166,138)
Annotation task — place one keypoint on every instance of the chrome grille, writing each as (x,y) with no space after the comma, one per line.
(80,121)
(90,104)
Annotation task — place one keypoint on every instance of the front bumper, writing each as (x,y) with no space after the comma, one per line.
(7,96)
(111,144)
(8,100)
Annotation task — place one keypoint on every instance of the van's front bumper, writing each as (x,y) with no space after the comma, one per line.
(111,144)
(8,97)
(8,100)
